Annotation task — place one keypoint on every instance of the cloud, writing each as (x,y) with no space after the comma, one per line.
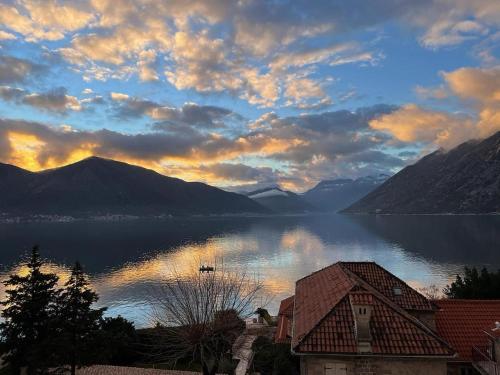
(241,174)
(247,49)
(481,85)
(432,92)
(15,70)
(301,149)
(55,100)
(47,20)
(11,93)
(243,48)
(476,89)
(118,96)
(6,36)
(482,88)
(191,114)
(450,32)
(412,123)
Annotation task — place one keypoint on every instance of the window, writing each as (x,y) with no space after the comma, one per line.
(397,291)
(335,369)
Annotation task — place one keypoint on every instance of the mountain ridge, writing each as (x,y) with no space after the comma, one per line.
(334,195)
(463,180)
(281,201)
(104,186)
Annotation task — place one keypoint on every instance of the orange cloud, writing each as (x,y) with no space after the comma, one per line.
(412,123)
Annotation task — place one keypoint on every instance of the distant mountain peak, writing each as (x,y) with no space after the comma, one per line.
(336,194)
(465,179)
(98,186)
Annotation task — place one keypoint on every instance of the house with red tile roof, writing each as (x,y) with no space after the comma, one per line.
(358,318)
(472,328)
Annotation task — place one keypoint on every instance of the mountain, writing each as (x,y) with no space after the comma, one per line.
(463,180)
(334,195)
(281,201)
(97,186)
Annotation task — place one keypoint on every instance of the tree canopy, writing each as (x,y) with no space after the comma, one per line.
(47,328)
(29,314)
(79,323)
(475,284)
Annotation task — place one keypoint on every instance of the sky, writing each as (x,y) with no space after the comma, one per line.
(246,94)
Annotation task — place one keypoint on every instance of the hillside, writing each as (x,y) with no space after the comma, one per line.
(281,201)
(463,180)
(96,186)
(334,195)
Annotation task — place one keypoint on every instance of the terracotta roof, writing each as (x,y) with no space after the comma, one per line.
(315,296)
(286,307)
(392,334)
(386,283)
(323,320)
(466,323)
(361,298)
(285,316)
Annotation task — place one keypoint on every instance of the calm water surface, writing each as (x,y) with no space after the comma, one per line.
(126,259)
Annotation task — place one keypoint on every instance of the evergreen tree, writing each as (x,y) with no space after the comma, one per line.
(80,323)
(475,284)
(27,332)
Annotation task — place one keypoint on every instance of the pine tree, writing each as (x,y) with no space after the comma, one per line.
(27,332)
(79,322)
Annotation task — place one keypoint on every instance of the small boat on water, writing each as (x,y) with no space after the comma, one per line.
(205,268)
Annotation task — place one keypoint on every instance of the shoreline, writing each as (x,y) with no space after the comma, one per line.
(43,218)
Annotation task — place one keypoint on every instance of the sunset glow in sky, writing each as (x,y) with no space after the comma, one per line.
(246,93)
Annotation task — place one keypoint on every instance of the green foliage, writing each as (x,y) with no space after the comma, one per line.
(475,285)
(46,327)
(273,359)
(79,324)
(29,315)
(118,341)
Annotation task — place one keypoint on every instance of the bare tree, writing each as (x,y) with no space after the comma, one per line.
(432,292)
(199,315)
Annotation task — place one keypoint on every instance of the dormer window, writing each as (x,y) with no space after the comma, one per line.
(397,291)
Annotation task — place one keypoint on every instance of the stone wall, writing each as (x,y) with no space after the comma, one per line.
(316,365)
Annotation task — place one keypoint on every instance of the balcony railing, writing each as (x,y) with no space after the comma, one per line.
(482,359)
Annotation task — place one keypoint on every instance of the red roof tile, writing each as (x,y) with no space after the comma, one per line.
(286,307)
(285,316)
(315,296)
(463,323)
(385,282)
(323,321)
(361,298)
(393,333)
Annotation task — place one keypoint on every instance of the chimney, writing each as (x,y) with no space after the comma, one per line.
(362,306)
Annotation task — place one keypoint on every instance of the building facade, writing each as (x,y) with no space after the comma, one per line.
(357,318)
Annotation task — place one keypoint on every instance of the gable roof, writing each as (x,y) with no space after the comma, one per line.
(315,296)
(392,334)
(285,317)
(385,282)
(455,324)
(323,320)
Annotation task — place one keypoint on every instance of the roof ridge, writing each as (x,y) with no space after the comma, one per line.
(393,275)
(315,272)
(327,313)
(317,324)
(400,310)
(466,300)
